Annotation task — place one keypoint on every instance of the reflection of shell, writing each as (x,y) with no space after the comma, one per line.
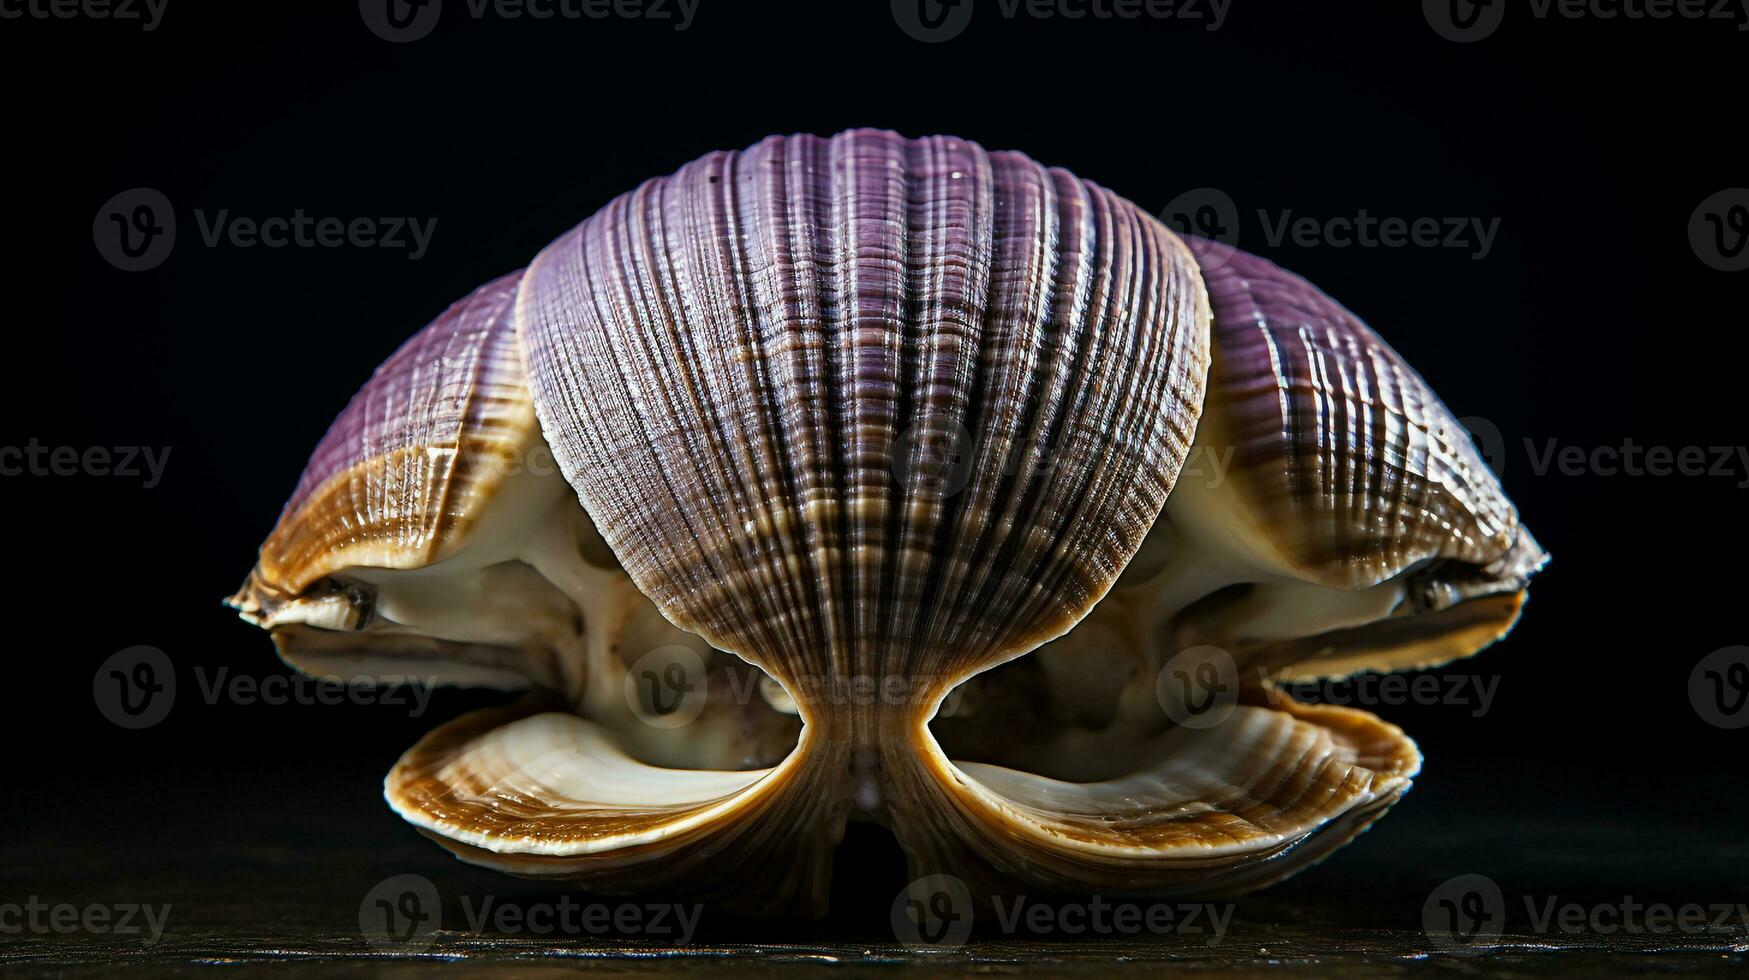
(877,415)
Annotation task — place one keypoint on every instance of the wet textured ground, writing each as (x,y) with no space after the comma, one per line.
(274,887)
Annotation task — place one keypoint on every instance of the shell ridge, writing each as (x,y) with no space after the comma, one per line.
(659,268)
(1063,330)
(1003,360)
(1406,489)
(777,323)
(903,420)
(873,240)
(1079,407)
(949,307)
(1031,329)
(1102,408)
(1153,307)
(603,346)
(458,460)
(347,493)
(872,364)
(817,288)
(728,324)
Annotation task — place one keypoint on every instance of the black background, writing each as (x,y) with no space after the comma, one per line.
(1592,321)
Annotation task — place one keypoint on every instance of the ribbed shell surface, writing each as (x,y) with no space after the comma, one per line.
(868,405)
(1357,468)
(402,474)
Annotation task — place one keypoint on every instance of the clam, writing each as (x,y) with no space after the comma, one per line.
(847,479)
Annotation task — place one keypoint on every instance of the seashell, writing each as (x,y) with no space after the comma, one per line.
(864,501)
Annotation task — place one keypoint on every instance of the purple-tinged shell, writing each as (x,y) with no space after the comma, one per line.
(405,472)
